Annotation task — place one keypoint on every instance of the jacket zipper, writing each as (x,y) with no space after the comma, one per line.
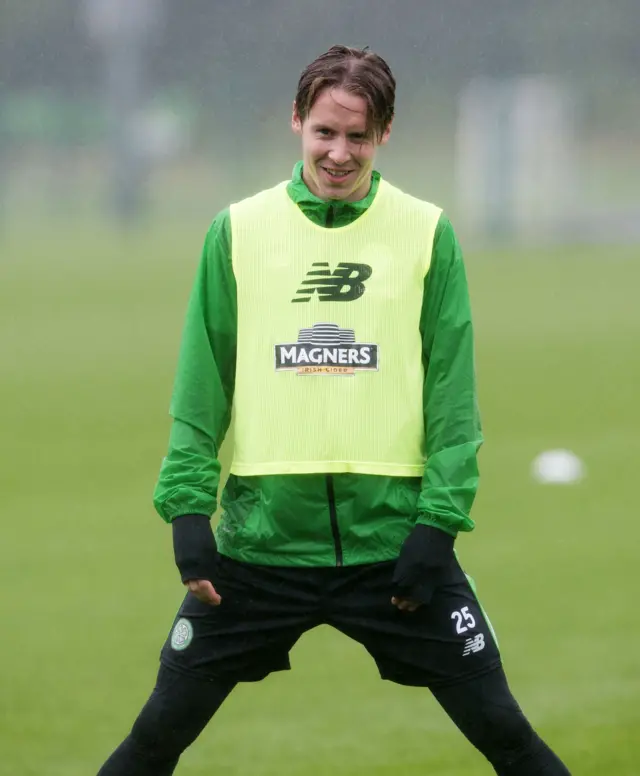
(331,496)
(333,516)
(329,220)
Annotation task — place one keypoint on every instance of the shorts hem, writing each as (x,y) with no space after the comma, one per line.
(418,681)
(224,676)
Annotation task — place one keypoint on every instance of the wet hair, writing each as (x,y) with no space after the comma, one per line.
(358,71)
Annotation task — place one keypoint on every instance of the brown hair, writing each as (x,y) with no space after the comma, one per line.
(358,71)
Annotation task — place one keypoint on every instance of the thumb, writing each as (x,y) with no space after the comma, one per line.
(204,591)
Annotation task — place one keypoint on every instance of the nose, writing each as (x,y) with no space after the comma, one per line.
(339,153)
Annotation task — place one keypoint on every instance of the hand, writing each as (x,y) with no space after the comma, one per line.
(425,554)
(196,555)
(204,591)
(405,605)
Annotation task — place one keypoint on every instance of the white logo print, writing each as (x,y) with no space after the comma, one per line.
(182,635)
(464,620)
(326,349)
(475,644)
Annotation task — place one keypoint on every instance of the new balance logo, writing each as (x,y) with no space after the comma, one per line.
(475,644)
(345,284)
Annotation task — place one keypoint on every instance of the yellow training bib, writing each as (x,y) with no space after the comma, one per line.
(329,373)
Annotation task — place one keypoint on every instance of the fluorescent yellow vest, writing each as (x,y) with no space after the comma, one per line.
(329,374)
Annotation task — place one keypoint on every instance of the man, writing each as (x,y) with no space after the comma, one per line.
(332,314)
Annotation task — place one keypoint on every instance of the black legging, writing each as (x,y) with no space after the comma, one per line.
(171,720)
(482,708)
(487,713)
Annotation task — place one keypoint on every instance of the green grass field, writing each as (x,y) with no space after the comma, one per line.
(89,330)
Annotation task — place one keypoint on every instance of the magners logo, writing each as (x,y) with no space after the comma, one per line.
(326,349)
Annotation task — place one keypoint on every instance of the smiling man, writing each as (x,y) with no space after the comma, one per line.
(338,142)
(331,314)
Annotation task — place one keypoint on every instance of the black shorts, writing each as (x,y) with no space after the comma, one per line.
(266,609)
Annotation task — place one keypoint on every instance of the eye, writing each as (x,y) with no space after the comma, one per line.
(324,131)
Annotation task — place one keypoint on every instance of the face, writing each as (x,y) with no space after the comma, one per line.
(337,152)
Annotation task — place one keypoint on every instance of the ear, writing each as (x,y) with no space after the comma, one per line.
(296,121)
(386,134)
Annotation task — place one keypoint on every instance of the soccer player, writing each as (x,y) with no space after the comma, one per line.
(331,312)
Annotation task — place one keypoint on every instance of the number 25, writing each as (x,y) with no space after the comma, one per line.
(463,614)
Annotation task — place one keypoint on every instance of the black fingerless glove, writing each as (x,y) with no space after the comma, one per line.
(194,547)
(425,554)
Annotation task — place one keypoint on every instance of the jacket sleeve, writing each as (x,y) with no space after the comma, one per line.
(452,421)
(204,384)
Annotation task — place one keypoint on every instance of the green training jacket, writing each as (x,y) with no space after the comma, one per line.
(317,519)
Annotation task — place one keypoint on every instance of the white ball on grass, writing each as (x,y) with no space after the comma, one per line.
(557,467)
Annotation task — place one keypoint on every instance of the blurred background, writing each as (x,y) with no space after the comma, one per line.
(125,125)
(518,117)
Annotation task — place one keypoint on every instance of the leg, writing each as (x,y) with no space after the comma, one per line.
(210,648)
(264,610)
(445,642)
(449,647)
(486,712)
(173,717)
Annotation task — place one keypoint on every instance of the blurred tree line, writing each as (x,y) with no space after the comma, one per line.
(231,66)
(215,46)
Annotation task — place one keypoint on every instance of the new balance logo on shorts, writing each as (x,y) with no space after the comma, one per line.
(475,644)
(345,284)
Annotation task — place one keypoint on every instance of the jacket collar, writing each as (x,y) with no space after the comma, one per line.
(318,210)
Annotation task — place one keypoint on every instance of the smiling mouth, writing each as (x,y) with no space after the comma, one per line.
(337,175)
